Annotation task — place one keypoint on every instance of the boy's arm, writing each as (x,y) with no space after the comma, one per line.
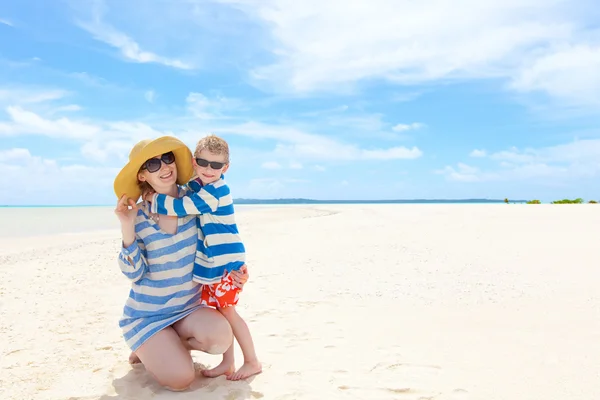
(205,201)
(192,186)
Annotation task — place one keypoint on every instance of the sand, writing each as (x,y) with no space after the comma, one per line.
(344,302)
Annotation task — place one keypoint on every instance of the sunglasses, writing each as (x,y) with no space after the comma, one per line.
(154,164)
(213,164)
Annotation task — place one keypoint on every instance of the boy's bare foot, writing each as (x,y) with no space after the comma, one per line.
(134,359)
(246,371)
(225,368)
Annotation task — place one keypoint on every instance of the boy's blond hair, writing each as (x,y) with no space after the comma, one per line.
(214,145)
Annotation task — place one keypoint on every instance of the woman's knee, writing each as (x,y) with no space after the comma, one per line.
(218,338)
(167,360)
(177,380)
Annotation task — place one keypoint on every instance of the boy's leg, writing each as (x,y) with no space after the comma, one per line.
(226,367)
(242,334)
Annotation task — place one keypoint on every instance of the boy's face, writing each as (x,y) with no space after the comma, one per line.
(208,174)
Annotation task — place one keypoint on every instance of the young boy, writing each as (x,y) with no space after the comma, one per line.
(221,250)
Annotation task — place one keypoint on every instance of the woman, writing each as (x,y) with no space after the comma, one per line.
(162,318)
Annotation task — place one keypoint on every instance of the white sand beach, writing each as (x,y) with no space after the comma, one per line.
(485,302)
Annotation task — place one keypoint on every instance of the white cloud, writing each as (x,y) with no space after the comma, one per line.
(29,95)
(478,153)
(407,127)
(104,150)
(277,165)
(364,122)
(270,187)
(390,153)
(538,43)
(101,140)
(92,80)
(463,173)
(332,110)
(295,144)
(266,184)
(271,165)
(580,158)
(405,96)
(30,123)
(16,154)
(66,108)
(6,22)
(358,123)
(209,108)
(118,138)
(570,72)
(37,180)
(150,95)
(128,47)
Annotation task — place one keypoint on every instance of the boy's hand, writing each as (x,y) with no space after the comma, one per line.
(239,277)
(148,195)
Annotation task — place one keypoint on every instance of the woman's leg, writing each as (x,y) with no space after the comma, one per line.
(205,330)
(165,357)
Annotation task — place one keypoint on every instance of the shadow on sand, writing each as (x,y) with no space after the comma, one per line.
(139,385)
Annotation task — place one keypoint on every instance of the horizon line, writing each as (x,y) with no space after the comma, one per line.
(250,201)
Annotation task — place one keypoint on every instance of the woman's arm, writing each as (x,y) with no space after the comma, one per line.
(132,260)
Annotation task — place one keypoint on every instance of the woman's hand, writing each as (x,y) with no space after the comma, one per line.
(127,218)
(126,215)
(240,277)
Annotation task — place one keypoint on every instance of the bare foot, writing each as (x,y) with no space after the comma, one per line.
(225,368)
(246,371)
(134,359)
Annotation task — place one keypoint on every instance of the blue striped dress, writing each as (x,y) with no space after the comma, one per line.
(220,247)
(160,268)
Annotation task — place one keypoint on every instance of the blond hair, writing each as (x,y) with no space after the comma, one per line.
(214,145)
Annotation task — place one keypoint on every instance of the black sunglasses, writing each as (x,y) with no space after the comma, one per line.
(213,164)
(154,164)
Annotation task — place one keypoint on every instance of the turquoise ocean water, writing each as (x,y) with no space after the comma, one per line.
(23,221)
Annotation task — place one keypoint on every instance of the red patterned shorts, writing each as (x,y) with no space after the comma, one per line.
(222,294)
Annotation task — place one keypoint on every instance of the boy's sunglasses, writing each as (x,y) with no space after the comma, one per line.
(154,164)
(213,164)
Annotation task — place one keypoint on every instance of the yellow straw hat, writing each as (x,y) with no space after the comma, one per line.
(126,181)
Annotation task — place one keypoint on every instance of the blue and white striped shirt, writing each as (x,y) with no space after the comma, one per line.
(160,268)
(219,246)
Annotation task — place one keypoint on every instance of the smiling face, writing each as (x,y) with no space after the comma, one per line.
(162,179)
(208,174)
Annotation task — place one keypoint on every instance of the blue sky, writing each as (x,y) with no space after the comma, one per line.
(329,99)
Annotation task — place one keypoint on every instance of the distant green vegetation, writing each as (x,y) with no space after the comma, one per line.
(568,201)
(564,201)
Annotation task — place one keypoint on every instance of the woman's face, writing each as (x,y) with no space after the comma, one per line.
(160,172)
